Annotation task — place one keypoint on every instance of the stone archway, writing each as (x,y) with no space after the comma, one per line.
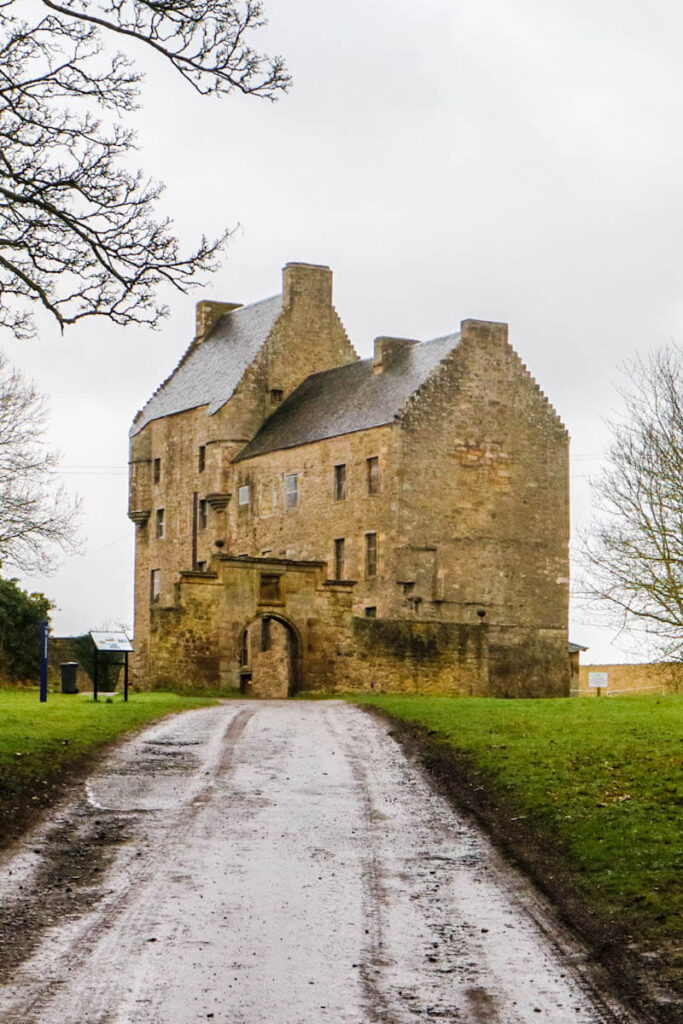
(270,657)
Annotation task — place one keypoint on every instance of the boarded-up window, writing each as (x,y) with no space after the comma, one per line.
(340,482)
(160,522)
(155,584)
(372,465)
(203,515)
(291,490)
(340,559)
(371,554)
(269,592)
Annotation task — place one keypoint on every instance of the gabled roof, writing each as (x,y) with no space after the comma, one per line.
(209,372)
(349,398)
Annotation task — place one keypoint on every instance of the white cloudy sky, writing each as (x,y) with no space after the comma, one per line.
(515,160)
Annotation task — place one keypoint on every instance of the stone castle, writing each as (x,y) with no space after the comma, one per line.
(310,520)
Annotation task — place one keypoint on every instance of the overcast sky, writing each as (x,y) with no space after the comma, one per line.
(513,160)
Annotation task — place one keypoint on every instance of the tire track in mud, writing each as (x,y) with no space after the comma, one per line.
(74,856)
(248,848)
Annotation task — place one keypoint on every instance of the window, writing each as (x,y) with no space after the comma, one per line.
(243,495)
(201,566)
(155,585)
(157,471)
(266,641)
(201,461)
(202,516)
(276,395)
(160,523)
(291,490)
(371,612)
(340,482)
(244,649)
(370,554)
(373,474)
(339,559)
(270,588)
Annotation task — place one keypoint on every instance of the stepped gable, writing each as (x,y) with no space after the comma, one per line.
(209,373)
(349,398)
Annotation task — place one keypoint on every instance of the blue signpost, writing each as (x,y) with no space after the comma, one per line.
(44,633)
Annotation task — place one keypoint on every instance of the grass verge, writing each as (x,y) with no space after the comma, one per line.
(45,746)
(586,794)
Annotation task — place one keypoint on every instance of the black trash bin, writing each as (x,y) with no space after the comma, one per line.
(69,676)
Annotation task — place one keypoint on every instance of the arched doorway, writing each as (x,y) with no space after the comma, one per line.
(270,657)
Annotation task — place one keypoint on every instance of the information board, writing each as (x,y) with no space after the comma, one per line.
(599,680)
(111,641)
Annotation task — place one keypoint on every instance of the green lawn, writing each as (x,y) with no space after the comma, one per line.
(599,781)
(41,743)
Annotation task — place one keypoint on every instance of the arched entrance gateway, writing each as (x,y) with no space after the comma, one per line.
(270,657)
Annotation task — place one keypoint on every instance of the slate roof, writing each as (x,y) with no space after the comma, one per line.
(348,398)
(209,373)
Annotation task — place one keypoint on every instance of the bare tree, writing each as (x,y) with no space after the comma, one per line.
(37,518)
(634,556)
(78,235)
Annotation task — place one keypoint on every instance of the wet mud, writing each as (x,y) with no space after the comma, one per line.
(283,863)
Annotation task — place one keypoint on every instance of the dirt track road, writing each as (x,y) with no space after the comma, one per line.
(276,863)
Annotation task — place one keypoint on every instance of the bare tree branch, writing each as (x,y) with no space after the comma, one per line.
(78,233)
(37,518)
(633,556)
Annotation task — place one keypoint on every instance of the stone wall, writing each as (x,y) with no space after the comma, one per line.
(399,656)
(661,677)
(484,505)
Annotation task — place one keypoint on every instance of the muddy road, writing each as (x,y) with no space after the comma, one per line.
(276,863)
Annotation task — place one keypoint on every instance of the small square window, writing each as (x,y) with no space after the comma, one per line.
(371,612)
(373,474)
(202,516)
(291,490)
(201,566)
(276,396)
(340,559)
(340,482)
(243,495)
(157,471)
(155,585)
(370,554)
(269,591)
(201,460)
(160,521)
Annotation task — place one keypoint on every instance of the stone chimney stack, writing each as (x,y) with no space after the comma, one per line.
(207,315)
(483,331)
(388,351)
(306,282)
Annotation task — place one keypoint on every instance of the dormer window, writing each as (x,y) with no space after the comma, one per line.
(276,396)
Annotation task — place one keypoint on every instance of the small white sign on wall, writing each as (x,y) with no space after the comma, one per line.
(599,680)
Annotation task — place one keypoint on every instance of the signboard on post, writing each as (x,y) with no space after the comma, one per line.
(111,641)
(598,681)
(44,636)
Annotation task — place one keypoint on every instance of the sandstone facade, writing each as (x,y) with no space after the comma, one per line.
(309,520)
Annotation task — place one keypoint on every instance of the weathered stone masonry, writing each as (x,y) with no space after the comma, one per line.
(431,479)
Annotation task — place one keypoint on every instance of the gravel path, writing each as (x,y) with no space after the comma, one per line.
(276,863)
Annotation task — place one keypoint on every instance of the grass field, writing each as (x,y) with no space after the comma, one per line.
(41,745)
(600,782)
